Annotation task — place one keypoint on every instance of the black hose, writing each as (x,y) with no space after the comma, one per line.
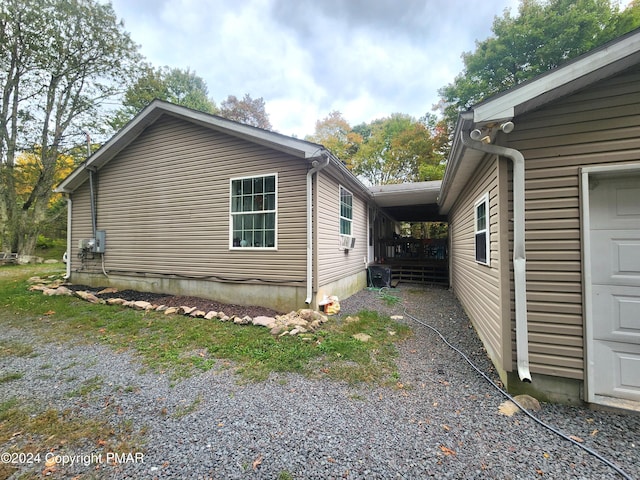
(508,396)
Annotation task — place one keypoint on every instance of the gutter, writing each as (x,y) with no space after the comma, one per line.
(317,166)
(69,217)
(519,253)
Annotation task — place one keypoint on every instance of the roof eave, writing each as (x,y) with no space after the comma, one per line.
(157,108)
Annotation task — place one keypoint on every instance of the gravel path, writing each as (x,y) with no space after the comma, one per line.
(443,422)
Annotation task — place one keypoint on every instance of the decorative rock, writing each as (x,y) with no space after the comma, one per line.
(396,317)
(107,290)
(161,308)
(49,291)
(89,297)
(363,337)
(40,288)
(198,314)
(128,303)
(311,315)
(63,291)
(277,330)
(211,315)
(186,310)
(296,322)
(263,321)
(171,310)
(246,320)
(141,305)
(223,318)
(116,301)
(221,315)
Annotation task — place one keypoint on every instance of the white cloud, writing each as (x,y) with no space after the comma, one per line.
(365,58)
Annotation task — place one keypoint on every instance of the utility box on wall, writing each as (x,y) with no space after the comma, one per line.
(100,240)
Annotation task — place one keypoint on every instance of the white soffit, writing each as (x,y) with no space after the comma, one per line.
(402,194)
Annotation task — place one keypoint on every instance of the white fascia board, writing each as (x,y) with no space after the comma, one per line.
(503,106)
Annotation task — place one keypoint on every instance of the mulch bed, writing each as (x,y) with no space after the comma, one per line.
(180,300)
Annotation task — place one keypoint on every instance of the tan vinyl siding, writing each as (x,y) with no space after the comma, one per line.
(164,203)
(332,262)
(599,125)
(477,286)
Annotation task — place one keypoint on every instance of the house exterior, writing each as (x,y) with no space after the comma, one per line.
(194,204)
(542,192)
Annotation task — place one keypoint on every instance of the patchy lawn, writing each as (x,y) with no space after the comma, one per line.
(183,345)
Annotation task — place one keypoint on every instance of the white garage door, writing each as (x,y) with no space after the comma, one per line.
(614,210)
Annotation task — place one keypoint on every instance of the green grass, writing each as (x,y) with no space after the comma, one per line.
(9,377)
(182,346)
(87,387)
(11,348)
(26,429)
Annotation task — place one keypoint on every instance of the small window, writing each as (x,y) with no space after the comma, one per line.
(481,217)
(346,211)
(253,212)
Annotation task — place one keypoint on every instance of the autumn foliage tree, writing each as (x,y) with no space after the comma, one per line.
(335,133)
(247,110)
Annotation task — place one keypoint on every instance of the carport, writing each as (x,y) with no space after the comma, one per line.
(414,260)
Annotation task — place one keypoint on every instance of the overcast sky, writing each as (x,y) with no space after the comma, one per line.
(365,58)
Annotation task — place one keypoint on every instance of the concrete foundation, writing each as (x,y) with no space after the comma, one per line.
(280,298)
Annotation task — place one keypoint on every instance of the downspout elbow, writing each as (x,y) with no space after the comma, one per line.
(519,250)
(316,167)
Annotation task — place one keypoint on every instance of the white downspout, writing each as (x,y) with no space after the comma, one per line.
(316,167)
(519,252)
(68,252)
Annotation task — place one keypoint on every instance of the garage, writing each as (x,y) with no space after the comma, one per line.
(611,203)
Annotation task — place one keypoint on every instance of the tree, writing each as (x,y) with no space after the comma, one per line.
(247,110)
(397,149)
(335,133)
(59,61)
(174,85)
(542,36)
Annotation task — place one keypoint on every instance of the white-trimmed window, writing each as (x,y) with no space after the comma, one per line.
(346,211)
(253,212)
(481,219)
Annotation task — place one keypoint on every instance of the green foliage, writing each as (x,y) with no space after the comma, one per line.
(59,61)
(394,149)
(182,87)
(542,36)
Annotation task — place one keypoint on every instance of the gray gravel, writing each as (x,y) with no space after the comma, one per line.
(443,423)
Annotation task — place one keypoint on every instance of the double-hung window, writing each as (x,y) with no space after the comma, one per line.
(253,212)
(481,218)
(346,211)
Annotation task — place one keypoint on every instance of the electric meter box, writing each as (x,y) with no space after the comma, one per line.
(99,244)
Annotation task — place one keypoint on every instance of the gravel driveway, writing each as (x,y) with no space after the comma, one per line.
(441,421)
